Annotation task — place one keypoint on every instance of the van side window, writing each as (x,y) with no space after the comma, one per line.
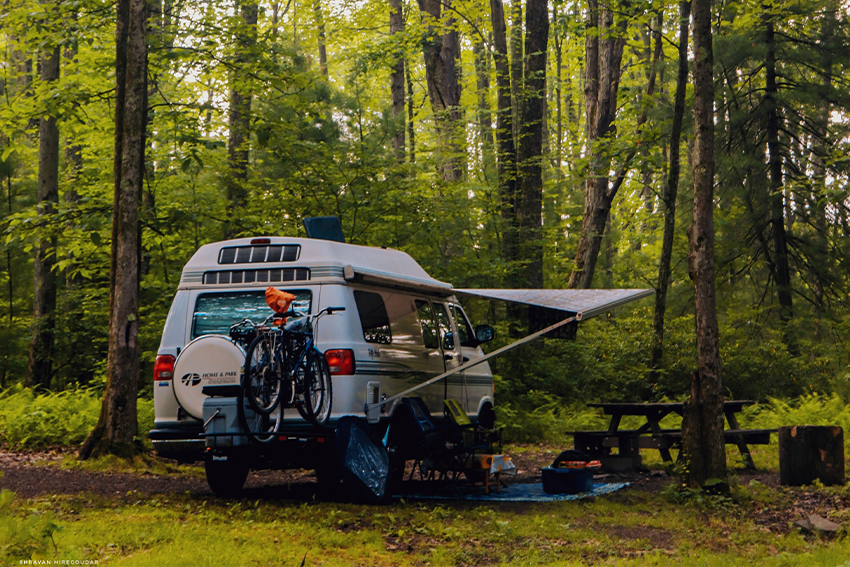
(373,317)
(216,312)
(464,330)
(426,321)
(445,325)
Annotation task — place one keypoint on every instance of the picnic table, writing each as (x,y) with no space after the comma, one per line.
(650,435)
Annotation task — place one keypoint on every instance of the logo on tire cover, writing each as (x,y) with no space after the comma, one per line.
(191,379)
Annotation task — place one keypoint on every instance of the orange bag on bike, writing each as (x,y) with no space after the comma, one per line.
(278,300)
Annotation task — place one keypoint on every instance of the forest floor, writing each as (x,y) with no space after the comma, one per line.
(156,512)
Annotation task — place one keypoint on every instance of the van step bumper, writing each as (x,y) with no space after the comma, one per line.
(184,444)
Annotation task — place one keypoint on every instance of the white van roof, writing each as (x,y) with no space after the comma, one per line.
(273,260)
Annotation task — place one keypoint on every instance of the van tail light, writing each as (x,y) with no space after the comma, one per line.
(340,361)
(163,368)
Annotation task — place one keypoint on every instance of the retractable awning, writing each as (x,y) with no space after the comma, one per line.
(577,305)
(588,302)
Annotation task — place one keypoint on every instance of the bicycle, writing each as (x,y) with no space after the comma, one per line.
(283,368)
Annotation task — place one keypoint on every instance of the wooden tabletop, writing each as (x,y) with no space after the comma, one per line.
(618,408)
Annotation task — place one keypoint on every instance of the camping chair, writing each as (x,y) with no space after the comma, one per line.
(479,443)
(413,435)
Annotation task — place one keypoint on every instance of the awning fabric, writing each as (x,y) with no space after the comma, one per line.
(588,302)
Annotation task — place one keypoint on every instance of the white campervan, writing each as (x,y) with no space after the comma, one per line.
(400,327)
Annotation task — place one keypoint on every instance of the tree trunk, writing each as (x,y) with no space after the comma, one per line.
(603,55)
(505,148)
(320,27)
(117,425)
(239,120)
(559,129)
(40,366)
(670,193)
(820,150)
(811,452)
(485,121)
(530,152)
(411,127)
(443,89)
(782,271)
(516,66)
(702,430)
(397,83)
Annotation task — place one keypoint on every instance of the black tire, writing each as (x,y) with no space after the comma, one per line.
(318,391)
(226,478)
(262,380)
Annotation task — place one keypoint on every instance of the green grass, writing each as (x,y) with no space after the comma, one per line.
(631,528)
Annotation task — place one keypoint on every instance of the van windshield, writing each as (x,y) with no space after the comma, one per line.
(216,312)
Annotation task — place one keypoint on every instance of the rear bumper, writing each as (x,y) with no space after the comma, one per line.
(185,443)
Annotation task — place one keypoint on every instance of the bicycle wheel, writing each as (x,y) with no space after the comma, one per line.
(318,393)
(258,428)
(262,375)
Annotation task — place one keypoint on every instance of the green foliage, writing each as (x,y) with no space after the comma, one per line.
(812,409)
(24,533)
(550,421)
(48,419)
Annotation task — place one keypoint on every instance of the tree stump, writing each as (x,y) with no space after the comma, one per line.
(809,452)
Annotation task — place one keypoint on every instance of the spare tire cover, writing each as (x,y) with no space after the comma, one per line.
(208,360)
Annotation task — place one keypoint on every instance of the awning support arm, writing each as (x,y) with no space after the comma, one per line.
(495,353)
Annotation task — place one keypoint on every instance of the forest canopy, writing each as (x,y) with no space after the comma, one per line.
(428,128)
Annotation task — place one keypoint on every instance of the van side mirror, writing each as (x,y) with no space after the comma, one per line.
(484,333)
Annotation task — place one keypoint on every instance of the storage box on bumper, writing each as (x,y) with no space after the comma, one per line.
(222,423)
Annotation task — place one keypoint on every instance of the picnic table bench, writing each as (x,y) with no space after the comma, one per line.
(650,435)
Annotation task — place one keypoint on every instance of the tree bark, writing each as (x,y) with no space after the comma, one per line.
(781,268)
(702,430)
(516,66)
(670,193)
(443,89)
(505,148)
(397,83)
(530,152)
(320,27)
(40,364)
(239,120)
(485,121)
(603,56)
(117,425)
(411,127)
(820,150)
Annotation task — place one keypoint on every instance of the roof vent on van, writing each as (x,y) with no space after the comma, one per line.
(324,228)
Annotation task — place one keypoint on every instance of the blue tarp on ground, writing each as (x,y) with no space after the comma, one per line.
(514,493)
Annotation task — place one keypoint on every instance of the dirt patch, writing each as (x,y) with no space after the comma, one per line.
(658,538)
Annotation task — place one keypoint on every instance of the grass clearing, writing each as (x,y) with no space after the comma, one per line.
(627,528)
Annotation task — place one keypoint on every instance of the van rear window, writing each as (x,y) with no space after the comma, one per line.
(216,312)
(373,317)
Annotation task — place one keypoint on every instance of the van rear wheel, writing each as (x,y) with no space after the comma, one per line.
(226,478)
